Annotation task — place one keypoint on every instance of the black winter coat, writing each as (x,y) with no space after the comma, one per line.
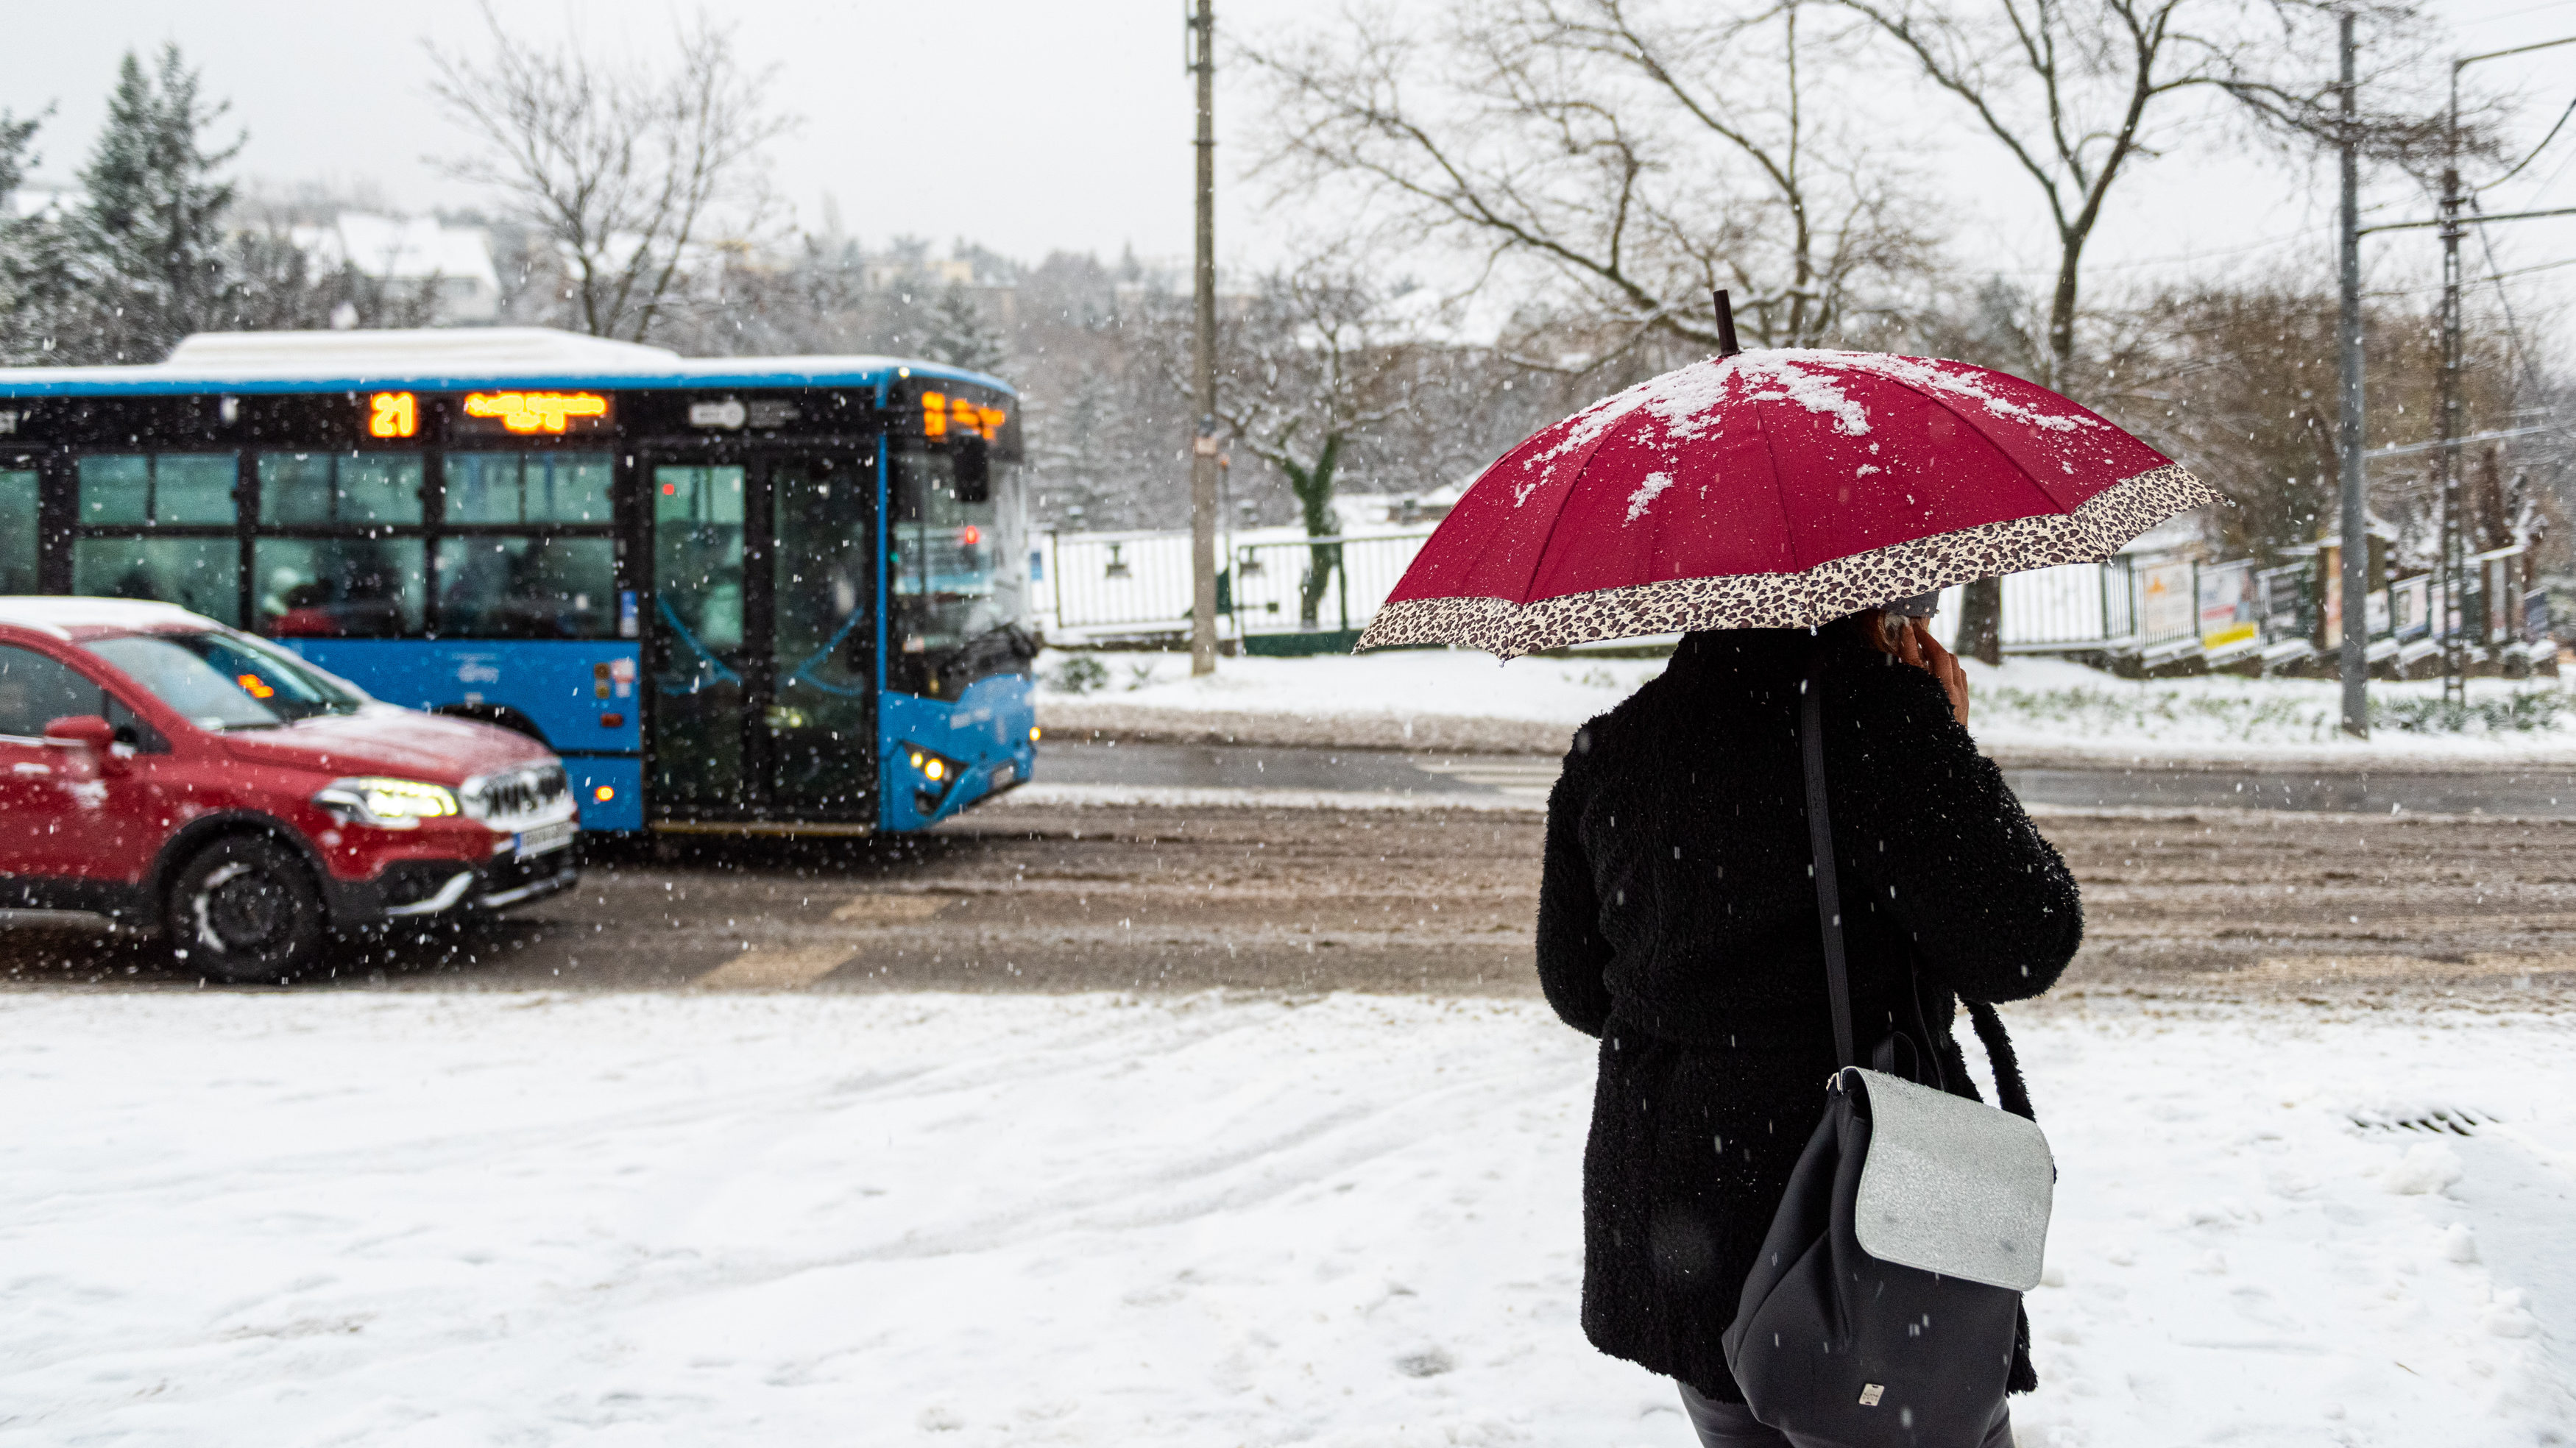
(1677,921)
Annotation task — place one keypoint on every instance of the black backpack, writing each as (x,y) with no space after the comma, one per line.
(1885,1308)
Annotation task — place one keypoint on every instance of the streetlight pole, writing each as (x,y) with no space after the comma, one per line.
(2455,540)
(1201,34)
(2355,550)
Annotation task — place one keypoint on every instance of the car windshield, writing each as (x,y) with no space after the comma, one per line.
(227,680)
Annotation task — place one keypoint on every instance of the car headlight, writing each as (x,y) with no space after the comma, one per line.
(391,804)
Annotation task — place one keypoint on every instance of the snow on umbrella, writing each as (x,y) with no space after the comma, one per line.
(1775,489)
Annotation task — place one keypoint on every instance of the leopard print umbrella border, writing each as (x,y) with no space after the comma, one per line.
(2098,528)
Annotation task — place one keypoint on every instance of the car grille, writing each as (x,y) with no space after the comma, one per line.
(520,797)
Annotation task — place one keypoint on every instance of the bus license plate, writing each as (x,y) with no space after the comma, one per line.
(546,838)
(1003,774)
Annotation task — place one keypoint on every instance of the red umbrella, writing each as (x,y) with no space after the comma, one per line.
(1775,489)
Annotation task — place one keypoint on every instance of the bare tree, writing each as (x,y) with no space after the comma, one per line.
(1639,153)
(2078,92)
(621,171)
(1310,362)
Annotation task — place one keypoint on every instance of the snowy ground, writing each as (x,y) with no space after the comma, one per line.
(431,1222)
(2024,704)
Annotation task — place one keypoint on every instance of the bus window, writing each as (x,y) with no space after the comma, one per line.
(202,575)
(339,488)
(697,559)
(153,488)
(528,487)
(527,588)
(957,591)
(349,588)
(17,530)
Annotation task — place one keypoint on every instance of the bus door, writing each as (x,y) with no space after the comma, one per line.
(764,636)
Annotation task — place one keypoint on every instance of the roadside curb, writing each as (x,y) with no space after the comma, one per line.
(1078,722)
(1082,722)
(1157,796)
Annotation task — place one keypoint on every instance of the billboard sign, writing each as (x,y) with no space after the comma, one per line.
(2411,607)
(2228,615)
(2168,603)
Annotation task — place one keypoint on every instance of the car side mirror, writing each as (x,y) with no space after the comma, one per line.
(92,732)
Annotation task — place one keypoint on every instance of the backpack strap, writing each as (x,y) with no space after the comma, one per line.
(2010,1090)
(1820,842)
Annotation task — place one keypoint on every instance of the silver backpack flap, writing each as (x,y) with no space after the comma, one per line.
(1952,1186)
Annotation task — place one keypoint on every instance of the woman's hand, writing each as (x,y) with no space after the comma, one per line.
(1916,646)
(1909,640)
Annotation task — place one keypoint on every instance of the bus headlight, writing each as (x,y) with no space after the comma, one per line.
(388,804)
(936,773)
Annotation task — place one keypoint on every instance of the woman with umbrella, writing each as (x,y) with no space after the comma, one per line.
(1793,513)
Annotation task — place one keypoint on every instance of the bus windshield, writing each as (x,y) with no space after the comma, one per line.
(959,585)
(227,681)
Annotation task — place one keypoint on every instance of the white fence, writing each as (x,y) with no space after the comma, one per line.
(1104,586)
(1101,587)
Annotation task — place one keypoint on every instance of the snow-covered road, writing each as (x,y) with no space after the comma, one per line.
(438,1221)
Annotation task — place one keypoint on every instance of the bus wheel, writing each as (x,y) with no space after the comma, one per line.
(243,910)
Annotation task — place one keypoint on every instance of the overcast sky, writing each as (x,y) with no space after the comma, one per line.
(1033,125)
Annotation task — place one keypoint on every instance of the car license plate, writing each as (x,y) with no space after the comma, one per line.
(545,839)
(1003,774)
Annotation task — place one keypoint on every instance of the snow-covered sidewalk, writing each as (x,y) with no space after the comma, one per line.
(428,1222)
(2025,707)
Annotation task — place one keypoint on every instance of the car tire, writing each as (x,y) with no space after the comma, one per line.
(245,909)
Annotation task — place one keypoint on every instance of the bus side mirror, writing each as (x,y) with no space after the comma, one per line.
(91,732)
(975,471)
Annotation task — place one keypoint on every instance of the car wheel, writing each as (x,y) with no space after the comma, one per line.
(245,909)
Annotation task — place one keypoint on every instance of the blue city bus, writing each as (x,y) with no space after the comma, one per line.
(738,596)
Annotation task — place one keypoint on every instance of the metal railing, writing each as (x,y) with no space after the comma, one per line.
(1114,585)
(2070,605)
(1108,585)
(1336,583)
(1116,582)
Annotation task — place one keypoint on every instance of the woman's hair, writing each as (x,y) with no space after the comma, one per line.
(1878,627)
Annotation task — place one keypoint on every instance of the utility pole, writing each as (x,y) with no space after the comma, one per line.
(2355,651)
(1201,36)
(2453,615)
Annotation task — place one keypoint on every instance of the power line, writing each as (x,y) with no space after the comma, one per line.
(2517,14)
(2495,277)
(2512,328)
(2536,150)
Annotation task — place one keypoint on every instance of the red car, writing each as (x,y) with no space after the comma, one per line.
(162,769)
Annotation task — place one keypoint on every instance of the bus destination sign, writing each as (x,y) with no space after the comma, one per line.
(541,414)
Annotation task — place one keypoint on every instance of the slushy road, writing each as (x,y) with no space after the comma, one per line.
(1436,895)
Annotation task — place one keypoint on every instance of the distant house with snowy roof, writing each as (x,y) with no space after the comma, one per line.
(410,255)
